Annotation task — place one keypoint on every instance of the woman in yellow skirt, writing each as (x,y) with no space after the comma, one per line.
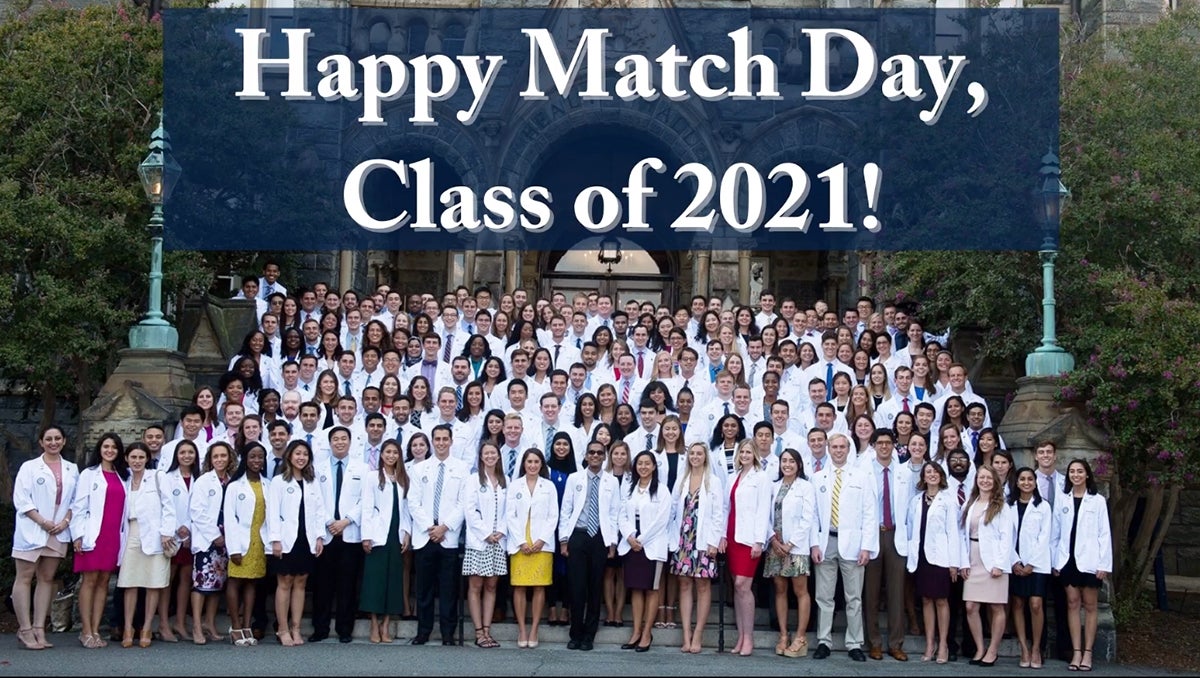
(532,507)
(245,512)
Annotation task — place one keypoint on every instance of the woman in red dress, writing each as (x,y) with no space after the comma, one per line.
(98,525)
(746,532)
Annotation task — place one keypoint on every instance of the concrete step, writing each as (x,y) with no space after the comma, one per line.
(554,636)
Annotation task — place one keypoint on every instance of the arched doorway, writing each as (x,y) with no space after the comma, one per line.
(641,275)
(602,154)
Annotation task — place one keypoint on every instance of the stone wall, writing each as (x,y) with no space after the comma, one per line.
(1181,550)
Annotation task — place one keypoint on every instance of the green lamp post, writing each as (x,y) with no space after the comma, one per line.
(159,173)
(1049,359)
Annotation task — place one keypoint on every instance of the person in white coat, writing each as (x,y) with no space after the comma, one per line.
(1083,557)
(436,504)
(296,521)
(987,553)
(531,511)
(934,554)
(1028,584)
(587,537)
(748,509)
(791,546)
(644,527)
(335,588)
(183,471)
(98,529)
(386,535)
(209,557)
(246,539)
(486,558)
(699,528)
(848,540)
(893,487)
(42,496)
(150,528)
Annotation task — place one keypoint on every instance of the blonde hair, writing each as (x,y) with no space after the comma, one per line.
(706,471)
(748,443)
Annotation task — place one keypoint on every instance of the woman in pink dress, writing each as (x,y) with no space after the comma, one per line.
(98,525)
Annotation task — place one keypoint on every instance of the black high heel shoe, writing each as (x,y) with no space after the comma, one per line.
(633,644)
(646,647)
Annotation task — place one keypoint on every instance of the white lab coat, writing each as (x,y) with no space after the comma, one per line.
(858,519)
(801,527)
(655,518)
(350,506)
(752,521)
(1093,536)
(484,512)
(283,512)
(204,506)
(154,508)
(942,536)
(539,508)
(422,487)
(239,516)
(575,500)
(376,510)
(34,488)
(710,516)
(87,511)
(174,485)
(1034,530)
(996,540)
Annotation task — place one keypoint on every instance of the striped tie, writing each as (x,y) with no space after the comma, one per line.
(437,492)
(591,516)
(837,495)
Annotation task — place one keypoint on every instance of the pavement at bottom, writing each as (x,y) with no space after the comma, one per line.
(360,658)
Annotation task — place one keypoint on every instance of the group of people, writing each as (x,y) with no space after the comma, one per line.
(570,458)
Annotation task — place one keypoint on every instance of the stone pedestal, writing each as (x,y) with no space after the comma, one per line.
(1035,417)
(148,387)
(211,331)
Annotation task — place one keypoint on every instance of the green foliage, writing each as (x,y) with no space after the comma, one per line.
(80,90)
(1129,132)
(1140,383)
(1130,609)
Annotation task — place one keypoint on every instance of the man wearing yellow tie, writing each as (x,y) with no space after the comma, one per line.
(847,510)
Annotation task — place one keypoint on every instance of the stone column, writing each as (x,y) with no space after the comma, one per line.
(700,281)
(744,277)
(469,270)
(346,270)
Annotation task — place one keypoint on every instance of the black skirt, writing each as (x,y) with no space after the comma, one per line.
(1071,576)
(300,560)
(1033,586)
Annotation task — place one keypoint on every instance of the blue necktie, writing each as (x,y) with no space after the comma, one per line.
(829,379)
(549,440)
(458,395)
(346,385)
(437,491)
(778,445)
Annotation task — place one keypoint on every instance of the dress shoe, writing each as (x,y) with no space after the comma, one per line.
(953,657)
(822,652)
(448,641)
(585,645)
(857,655)
(875,653)
(898,654)
(631,645)
(345,639)
(257,633)
(974,662)
(419,640)
(318,636)
(573,645)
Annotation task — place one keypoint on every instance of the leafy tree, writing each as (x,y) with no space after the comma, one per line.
(1126,279)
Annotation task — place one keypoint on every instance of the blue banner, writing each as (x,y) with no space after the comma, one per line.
(780,129)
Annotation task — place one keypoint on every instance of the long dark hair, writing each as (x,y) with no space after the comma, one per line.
(307,474)
(1091,478)
(799,463)
(244,457)
(119,464)
(401,471)
(653,476)
(1015,496)
(194,469)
